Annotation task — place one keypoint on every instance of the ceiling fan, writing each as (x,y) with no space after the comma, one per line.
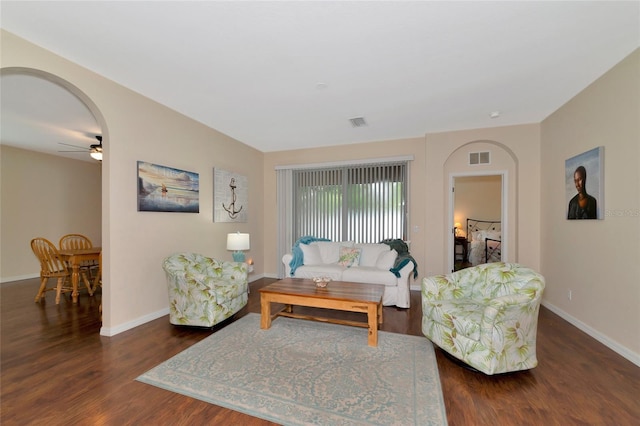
(95,150)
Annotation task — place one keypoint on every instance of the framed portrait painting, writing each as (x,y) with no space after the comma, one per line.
(584,183)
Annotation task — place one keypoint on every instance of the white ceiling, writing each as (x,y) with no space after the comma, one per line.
(284,75)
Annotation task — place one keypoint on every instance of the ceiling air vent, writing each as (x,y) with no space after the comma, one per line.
(479,158)
(358,122)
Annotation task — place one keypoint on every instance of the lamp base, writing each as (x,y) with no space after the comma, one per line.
(238,256)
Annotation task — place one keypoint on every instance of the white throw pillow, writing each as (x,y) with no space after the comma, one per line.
(386,260)
(330,250)
(311,254)
(370,253)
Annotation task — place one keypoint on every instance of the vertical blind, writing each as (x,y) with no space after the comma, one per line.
(362,203)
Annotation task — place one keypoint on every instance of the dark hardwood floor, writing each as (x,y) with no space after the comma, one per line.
(58,370)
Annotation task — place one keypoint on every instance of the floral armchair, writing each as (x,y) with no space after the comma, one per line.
(486,316)
(204,291)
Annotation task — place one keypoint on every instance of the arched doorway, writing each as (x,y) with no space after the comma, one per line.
(60,94)
(495,160)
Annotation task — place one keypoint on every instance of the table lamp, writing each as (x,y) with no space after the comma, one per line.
(238,242)
(457,227)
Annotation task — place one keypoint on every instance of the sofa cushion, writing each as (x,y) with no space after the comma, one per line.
(371,252)
(370,275)
(349,256)
(311,254)
(386,260)
(334,271)
(330,250)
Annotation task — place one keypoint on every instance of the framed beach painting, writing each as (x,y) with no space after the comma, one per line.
(584,185)
(165,189)
(230,196)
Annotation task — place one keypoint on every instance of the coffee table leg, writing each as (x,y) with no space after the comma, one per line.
(380,313)
(372,317)
(265,312)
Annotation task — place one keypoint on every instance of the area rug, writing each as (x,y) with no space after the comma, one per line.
(309,373)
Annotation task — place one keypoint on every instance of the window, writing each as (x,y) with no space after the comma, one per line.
(362,203)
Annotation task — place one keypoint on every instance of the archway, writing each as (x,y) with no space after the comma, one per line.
(496,160)
(45,79)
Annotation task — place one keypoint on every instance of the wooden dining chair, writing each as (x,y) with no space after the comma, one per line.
(97,280)
(52,266)
(79,241)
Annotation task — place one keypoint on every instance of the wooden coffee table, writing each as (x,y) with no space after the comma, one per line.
(339,295)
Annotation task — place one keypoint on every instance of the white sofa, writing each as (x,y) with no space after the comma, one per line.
(360,263)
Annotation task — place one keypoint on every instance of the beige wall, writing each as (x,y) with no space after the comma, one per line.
(429,199)
(598,260)
(44,196)
(516,150)
(136,128)
(477,197)
(385,149)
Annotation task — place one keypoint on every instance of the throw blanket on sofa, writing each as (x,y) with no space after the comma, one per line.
(298,259)
(403,256)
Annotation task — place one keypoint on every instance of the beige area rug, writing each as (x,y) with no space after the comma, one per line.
(309,373)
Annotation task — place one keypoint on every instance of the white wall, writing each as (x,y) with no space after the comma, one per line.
(598,260)
(44,196)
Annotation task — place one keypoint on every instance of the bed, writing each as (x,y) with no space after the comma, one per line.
(485,239)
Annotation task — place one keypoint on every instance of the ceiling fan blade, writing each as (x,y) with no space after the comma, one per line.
(97,146)
(74,146)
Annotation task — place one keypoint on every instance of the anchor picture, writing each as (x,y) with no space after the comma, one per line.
(230,196)
(233,213)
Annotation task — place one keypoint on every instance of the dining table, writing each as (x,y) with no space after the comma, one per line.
(75,257)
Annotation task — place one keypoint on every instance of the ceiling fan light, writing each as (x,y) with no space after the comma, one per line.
(96,154)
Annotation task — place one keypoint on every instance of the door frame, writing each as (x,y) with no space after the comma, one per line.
(504,227)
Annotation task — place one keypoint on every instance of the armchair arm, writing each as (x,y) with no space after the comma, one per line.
(508,318)
(503,302)
(235,271)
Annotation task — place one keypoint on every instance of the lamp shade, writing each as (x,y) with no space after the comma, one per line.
(458,225)
(237,241)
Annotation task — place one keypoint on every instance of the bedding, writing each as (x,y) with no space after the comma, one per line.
(485,238)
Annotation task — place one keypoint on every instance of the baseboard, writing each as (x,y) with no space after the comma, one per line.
(19,278)
(106,331)
(256,277)
(613,345)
